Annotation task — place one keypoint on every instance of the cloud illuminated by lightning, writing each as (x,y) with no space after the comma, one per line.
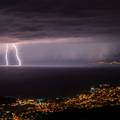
(16,54)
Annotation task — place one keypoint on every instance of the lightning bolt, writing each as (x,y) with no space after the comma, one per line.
(6,55)
(16,54)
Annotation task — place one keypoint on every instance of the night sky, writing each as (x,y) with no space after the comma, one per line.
(62,33)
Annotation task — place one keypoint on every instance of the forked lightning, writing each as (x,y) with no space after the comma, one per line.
(19,63)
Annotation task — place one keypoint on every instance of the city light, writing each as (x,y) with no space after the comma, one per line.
(29,109)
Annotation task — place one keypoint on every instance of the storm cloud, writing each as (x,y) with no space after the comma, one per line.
(25,27)
(72,35)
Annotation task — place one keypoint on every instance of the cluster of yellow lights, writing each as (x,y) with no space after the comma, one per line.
(29,109)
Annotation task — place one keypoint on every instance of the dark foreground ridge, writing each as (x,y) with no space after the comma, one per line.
(83,114)
(100,102)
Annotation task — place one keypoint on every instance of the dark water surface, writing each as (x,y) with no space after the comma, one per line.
(53,81)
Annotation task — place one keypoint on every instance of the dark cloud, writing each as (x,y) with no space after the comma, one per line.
(59,5)
(59,20)
(19,26)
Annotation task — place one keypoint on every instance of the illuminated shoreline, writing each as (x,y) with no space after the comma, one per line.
(96,97)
